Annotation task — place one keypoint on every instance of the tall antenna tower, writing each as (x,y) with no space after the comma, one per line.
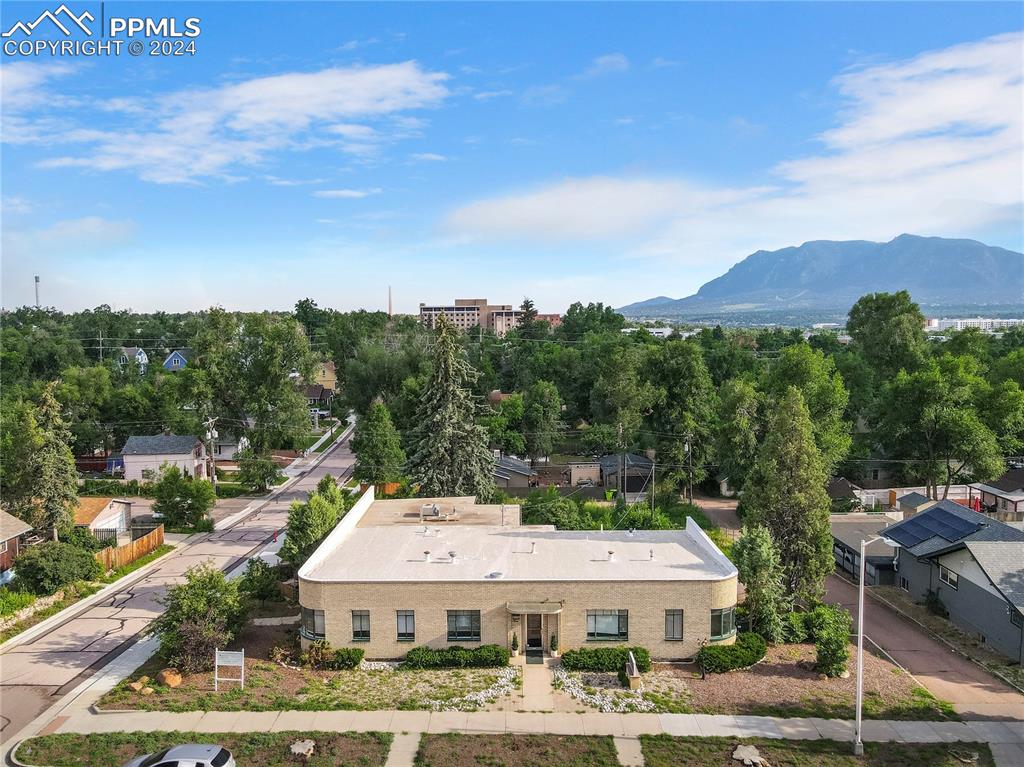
(37,291)
(389,299)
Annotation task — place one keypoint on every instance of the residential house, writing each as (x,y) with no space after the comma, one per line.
(385,581)
(511,472)
(843,494)
(12,534)
(327,376)
(636,471)
(148,454)
(319,399)
(133,354)
(972,564)
(103,514)
(848,530)
(1002,497)
(177,360)
(912,503)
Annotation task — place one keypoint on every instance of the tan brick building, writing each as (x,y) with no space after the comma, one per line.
(390,577)
(469,313)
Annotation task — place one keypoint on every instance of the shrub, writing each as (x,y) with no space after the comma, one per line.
(485,656)
(115,488)
(45,568)
(605,658)
(318,655)
(256,472)
(830,627)
(260,580)
(182,500)
(795,628)
(11,601)
(748,649)
(199,615)
(347,658)
(81,537)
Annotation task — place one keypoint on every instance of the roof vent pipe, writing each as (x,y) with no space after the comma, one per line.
(451,555)
(611,556)
(652,555)
(426,556)
(533,547)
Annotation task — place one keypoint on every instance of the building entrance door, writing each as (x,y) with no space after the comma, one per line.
(534,640)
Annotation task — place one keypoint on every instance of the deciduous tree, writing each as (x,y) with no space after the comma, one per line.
(378,447)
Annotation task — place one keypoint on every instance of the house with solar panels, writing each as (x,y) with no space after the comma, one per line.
(974,563)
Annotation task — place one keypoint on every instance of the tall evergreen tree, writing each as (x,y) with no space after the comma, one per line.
(450,454)
(785,492)
(760,569)
(56,480)
(378,447)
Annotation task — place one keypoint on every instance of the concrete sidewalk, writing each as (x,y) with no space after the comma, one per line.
(591,723)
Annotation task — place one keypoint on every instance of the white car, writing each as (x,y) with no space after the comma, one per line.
(189,755)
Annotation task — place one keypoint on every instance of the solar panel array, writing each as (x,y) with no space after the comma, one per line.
(928,524)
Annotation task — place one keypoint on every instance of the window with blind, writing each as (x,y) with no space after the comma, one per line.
(607,625)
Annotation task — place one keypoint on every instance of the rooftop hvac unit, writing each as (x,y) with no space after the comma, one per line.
(430,510)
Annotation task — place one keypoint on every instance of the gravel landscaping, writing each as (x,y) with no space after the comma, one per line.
(668,751)
(273,686)
(257,749)
(454,750)
(783,684)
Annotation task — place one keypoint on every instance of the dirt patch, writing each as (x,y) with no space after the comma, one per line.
(251,749)
(271,686)
(667,751)
(454,750)
(786,684)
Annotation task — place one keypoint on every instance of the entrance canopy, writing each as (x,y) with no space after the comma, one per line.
(542,608)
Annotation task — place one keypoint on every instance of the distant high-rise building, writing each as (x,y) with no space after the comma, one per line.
(988,324)
(469,313)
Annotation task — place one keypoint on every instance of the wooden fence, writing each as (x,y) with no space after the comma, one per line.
(113,558)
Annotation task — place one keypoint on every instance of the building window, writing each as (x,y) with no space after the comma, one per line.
(673,624)
(406,626)
(463,625)
(948,577)
(1015,617)
(312,624)
(3,547)
(607,625)
(360,625)
(723,623)
(904,583)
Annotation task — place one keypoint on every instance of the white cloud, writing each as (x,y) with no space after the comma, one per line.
(15,205)
(346,194)
(429,157)
(930,145)
(488,95)
(544,95)
(199,133)
(607,64)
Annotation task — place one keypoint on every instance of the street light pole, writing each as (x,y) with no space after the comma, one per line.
(858,744)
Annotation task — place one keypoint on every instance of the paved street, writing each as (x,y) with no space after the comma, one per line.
(35,673)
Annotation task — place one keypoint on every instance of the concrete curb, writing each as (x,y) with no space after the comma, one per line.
(57,618)
(12,755)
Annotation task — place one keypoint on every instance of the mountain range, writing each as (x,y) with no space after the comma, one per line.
(824,278)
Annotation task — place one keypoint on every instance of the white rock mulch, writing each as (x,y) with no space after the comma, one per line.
(627,701)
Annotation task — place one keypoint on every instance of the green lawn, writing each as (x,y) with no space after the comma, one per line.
(669,751)
(255,749)
(141,562)
(455,750)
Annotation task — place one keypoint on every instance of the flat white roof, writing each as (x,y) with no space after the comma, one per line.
(493,553)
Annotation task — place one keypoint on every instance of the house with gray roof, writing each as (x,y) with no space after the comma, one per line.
(511,472)
(1002,497)
(130,354)
(973,563)
(636,471)
(145,455)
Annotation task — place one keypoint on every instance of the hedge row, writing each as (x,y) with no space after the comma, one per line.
(320,655)
(748,649)
(605,658)
(485,656)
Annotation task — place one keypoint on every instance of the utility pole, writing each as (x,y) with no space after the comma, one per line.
(101,344)
(689,470)
(653,464)
(622,466)
(211,435)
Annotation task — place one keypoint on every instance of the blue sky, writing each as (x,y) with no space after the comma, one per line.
(607,152)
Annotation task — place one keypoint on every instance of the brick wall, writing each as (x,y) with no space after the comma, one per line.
(646,602)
